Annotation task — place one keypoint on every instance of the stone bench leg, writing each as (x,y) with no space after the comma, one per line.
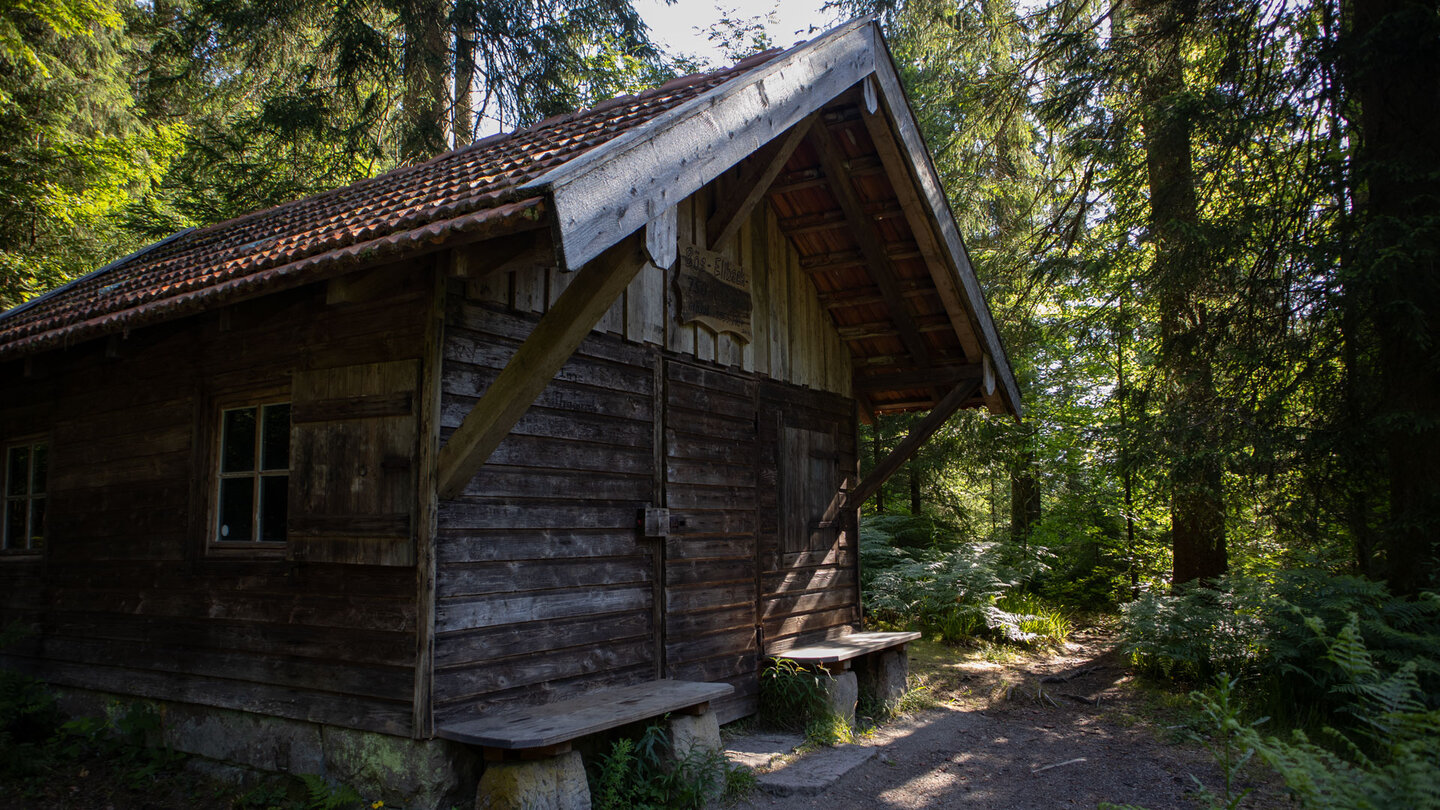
(548,783)
(693,733)
(883,676)
(842,690)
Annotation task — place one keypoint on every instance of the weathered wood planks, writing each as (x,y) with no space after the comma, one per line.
(128,598)
(567,720)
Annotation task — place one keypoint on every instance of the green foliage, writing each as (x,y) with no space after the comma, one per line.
(1386,760)
(792,695)
(919,572)
(1229,740)
(644,773)
(1276,633)
(321,795)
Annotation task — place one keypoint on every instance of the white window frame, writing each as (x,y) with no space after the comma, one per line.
(25,500)
(215,541)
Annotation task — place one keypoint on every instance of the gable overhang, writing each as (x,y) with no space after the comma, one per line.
(612,191)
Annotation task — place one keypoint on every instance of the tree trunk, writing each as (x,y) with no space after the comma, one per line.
(878,454)
(1024,491)
(464,116)
(423,118)
(914,490)
(1395,57)
(1197,513)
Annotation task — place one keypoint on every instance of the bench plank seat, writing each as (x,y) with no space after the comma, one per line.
(844,648)
(567,720)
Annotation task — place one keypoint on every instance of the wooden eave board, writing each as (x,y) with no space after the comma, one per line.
(566,720)
(896,105)
(844,648)
(609,192)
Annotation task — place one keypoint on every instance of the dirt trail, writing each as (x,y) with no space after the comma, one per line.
(1068,729)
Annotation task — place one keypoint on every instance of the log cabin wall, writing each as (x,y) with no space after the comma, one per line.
(127,597)
(544,586)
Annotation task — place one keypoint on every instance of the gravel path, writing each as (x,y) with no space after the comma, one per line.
(1069,729)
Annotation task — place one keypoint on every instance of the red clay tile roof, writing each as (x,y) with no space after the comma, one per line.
(472,191)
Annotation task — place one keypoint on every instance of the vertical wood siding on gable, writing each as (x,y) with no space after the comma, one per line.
(127,600)
(795,340)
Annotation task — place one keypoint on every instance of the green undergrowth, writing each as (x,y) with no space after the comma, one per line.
(1328,680)
(794,697)
(920,573)
(643,772)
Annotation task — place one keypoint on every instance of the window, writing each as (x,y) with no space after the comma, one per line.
(254,475)
(26,466)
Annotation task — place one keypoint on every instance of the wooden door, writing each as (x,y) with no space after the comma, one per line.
(711,585)
(808,548)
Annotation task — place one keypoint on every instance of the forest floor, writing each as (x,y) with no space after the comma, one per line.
(1057,729)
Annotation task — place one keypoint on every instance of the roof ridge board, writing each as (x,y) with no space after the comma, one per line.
(678,111)
(71,284)
(584,163)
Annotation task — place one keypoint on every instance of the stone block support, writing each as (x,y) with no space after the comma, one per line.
(842,690)
(690,733)
(883,676)
(550,783)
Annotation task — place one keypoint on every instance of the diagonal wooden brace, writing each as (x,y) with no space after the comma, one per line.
(918,435)
(556,337)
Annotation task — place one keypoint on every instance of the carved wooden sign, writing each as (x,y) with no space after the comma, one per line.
(714,290)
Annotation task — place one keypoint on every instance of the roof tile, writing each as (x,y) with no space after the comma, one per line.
(474,188)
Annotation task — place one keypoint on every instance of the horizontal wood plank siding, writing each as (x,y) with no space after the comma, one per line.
(544,588)
(710,596)
(128,599)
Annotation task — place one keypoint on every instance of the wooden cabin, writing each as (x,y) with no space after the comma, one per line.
(567,409)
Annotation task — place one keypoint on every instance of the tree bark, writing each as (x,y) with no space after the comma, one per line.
(878,454)
(1197,513)
(423,113)
(464,109)
(1394,61)
(1024,491)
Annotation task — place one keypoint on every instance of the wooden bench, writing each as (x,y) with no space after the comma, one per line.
(837,653)
(882,672)
(551,727)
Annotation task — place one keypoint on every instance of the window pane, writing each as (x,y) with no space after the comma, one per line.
(15,524)
(39,469)
(37,523)
(237,509)
(237,452)
(18,473)
(275,439)
(273,511)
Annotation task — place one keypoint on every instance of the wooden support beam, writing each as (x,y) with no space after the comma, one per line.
(836,220)
(877,258)
(802,179)
(943,376)
(825,262)
(918,435)
(868,295)
(480,259)
(556,337)
(877,329)
(760,171)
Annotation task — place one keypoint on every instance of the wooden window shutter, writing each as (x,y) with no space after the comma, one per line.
(352,470)
(809,489)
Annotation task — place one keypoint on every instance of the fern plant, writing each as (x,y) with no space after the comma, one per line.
(1391,760)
